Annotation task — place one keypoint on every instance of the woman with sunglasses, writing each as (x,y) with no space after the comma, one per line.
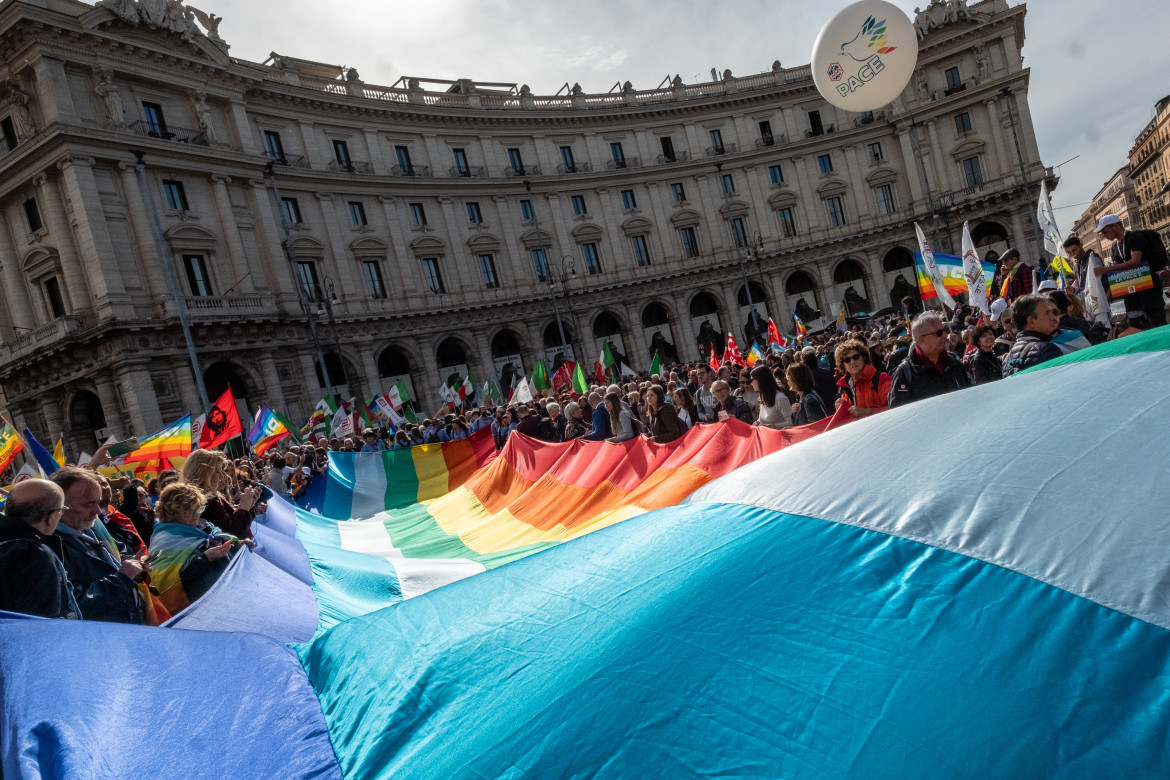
(212,473)
(864,389)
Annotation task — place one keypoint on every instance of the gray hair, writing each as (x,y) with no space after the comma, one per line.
(553,408)
(921,324)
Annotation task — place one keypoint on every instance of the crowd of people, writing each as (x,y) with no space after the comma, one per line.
(77,545)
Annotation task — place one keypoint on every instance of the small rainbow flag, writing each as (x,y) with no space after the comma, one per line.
(754,355)
(174,441)
(801,330)
(10,444)
(266,431)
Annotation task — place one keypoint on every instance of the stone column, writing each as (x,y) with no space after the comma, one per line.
(369,365)
(813,215)
(51,406)
(237,260)
(108,394)
(16,293)
(270,237)
(183,376)
(375,150)
(155,279)
(995,137)
(638,345)
(865,209)
(141,401)
(93,237)
(911,167)
(687,348)
(273,390)
(75,286)
(878,291)
(943,172)
(53,96)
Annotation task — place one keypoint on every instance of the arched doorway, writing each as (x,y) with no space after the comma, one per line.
(704,311)
(754,328)
(394,367)
(86,418)
(659,334)
(556,353)
(801,290)
(452,359)
(342,375)
(848,276)
(223,375)
(991,240)
(900,278)
(607,327)
(507,357)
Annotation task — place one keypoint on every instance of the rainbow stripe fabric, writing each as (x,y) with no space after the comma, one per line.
(173,441)
(1134,280)
(951,268)
(10,444)
(266,431)
(871,602)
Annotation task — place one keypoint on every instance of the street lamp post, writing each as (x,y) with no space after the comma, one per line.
(304,292)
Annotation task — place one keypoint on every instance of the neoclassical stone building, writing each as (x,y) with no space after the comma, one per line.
(425,228)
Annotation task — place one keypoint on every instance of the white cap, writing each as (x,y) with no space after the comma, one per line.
(1108,219)
(1047,284)
(998,307)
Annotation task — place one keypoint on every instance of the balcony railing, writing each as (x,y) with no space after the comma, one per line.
(715,151)
(868,118)
(181,135)
(522,170)
(677,157)
(418,171)
(291,160)
(956,89)
(619,165)
(28,341)
(581,167)
(771,139)
(351,166)
(467,171)
(813,132)
(202,303)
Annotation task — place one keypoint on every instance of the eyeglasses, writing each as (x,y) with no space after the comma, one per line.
(851,358)
(936,333)
(61,509)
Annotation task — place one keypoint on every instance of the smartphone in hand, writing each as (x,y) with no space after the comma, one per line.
(124,447)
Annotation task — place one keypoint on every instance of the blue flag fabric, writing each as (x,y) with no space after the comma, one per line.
(43,457)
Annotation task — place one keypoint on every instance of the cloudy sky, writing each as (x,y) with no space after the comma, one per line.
(1094,79)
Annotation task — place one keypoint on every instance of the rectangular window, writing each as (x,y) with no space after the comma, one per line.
(726,183)
(641,250)
(677,193)
(290,211)
(619,157)
(197,278)
(357,214)
(487,269)
(628,200)
(973,172)
(433,275)
(954,81)
(567,159)
(273,145)
(341,154)
(787,222)
(578,202)
(836,211)
(53,297)
(875,152)
(8,132)
(540,263)
(402,155)
(885,198)
(176,197)
(738,231)
(775,174)
(33,215)
(716,141)
(962,123)
(307,279)
(526,211)
(592,259)
(815,125)
(766,133)
(418,215)
(667,149)
(372,271)
(474,216)
(461,166)
(825,163)
(516,161)
(156,125)
(690,244)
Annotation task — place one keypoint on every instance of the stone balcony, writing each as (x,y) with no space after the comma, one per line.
(28,341)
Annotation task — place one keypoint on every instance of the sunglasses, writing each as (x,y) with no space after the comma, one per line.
(851,358)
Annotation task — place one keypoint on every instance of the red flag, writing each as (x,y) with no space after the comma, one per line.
(223,422)
(714,361)
(774,336)
(563,376)
(731,354)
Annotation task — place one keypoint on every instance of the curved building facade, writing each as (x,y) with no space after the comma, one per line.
(429,228)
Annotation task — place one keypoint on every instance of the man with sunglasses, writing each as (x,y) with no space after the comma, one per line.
(32,576)
(928,369)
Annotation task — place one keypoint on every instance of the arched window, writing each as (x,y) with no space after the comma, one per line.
(897,259)
(848,271)
(655,314)
(606,324)
(759,294)
(799,283)
(704,305)
(450,353)
(552,335)
(393,362)
(505,343)
(86,413)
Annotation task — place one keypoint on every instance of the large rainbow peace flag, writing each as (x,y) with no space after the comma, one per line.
(951,268)
(155,451)
(874,601)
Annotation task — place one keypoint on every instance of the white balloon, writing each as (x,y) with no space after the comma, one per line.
(864,56)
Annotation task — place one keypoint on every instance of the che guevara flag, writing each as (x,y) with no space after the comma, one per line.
(223,422)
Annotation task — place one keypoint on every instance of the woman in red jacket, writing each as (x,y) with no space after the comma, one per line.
(864,389)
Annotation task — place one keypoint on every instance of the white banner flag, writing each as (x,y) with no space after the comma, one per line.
(1096,301)
(932,271)
(342,423)
(197,430)
(1047,220)
(523,394)
(973,270)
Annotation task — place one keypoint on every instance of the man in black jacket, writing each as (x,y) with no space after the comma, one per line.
(104,587)
(1037,319)
(929,369)
(32,577)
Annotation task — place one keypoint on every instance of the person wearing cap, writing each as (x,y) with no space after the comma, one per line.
(1047,285)
(1132,248)
(1038,320)
(373,444)
(1001,314)
(1015,276)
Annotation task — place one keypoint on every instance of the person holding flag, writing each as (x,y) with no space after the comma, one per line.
(932,271)
(973,273)
(731,353)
